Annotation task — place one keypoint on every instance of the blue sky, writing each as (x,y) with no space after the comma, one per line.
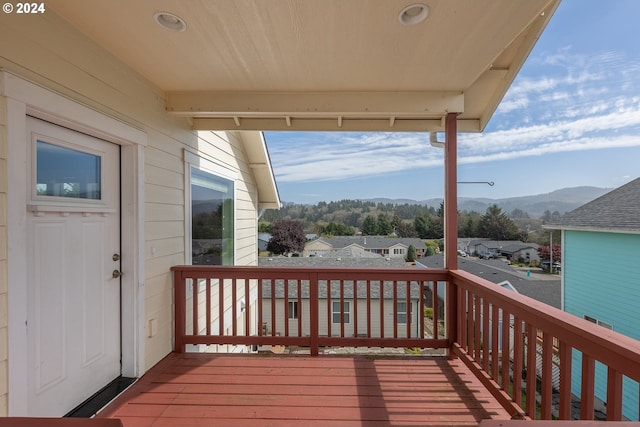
(571,118)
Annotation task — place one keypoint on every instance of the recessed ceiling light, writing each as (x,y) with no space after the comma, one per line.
(170,21)
(413,14)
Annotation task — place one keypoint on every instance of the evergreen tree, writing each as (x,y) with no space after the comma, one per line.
(411,254)
(496,225)
(384,225)
(370,226)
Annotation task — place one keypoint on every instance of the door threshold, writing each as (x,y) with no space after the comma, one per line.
(99,400)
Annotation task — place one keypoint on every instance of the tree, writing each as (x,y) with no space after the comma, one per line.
(411,254)
(543,252)
(406,229)
(496,225)
(370,226)
(422,224)
(287,237)
(384,225)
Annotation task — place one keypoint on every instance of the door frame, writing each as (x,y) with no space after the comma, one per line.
(27,98)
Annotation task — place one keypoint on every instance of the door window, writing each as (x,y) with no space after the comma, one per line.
(65,172)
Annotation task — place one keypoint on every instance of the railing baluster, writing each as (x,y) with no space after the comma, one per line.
(368,308)
(532,377)
(409,309)
(314,311)
(208,306)
(273,306)
(234,302)
(463,304)
(506,346)
(547,375)
(329,308)
(194,302)
(395,308)
(260,314)
(518,354)
(477,322)
(434,310)
(355,308)
(564,410)
(381,296)
(300,310)
(588,386)
(221,304)
(247,309)
(495,323)
(286,308)
(484,344)
(614,395)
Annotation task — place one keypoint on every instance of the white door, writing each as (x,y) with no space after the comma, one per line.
(73,288)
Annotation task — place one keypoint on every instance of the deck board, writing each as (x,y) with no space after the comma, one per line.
(280,390)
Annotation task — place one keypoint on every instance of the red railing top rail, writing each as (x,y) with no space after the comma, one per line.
(607,346)
(324,273)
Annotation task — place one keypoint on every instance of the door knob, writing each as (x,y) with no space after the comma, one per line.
(116,274)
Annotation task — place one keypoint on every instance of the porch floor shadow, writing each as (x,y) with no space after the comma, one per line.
(288,390)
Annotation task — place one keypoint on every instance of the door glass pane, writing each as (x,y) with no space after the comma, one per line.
(64,172)
(211,219)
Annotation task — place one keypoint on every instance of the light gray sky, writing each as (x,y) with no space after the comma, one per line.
(571,118)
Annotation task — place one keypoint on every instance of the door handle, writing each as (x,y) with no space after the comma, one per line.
(116,274)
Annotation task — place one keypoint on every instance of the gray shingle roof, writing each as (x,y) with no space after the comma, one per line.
(496,271)
(361,289)
(373,242)
(618,210)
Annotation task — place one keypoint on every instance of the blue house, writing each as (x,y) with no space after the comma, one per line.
(601,273)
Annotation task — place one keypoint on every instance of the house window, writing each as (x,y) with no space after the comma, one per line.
(401,312)
(598,322)
(293,309)
(336,312)
(212,218)
(399,251)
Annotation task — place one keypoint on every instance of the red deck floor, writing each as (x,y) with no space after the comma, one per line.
(284,390)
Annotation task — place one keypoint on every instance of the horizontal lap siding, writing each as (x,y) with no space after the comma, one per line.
(602,280)
(77,68)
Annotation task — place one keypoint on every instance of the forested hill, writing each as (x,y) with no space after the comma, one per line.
(352,213)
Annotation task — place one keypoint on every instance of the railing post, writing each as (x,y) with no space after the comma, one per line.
(179,301)
(452,314)
(314,312)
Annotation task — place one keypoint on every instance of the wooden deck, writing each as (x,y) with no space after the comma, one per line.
(283,390)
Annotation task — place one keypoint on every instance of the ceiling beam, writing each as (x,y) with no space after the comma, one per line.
(336,124)
(414,104)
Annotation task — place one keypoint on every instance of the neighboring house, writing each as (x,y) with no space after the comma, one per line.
(399,313)
(512,249)
(544,288)
(391,247)
(601,272)
(103,192)
(263,241)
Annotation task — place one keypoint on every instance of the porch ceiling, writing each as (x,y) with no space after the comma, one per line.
(321,65)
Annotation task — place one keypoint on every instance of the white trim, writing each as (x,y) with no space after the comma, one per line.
(26,98)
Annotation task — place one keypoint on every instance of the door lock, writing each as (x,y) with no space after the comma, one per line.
(116,274)
(116,257)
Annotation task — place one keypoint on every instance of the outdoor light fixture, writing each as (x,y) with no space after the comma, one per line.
(413,14)
(170,21)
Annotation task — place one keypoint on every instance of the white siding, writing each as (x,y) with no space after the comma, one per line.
(3,260)
(64,61)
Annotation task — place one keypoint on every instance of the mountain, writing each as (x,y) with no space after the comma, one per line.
(563,200)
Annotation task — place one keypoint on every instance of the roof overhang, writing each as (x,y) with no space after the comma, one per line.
(257,154)
(329,65)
